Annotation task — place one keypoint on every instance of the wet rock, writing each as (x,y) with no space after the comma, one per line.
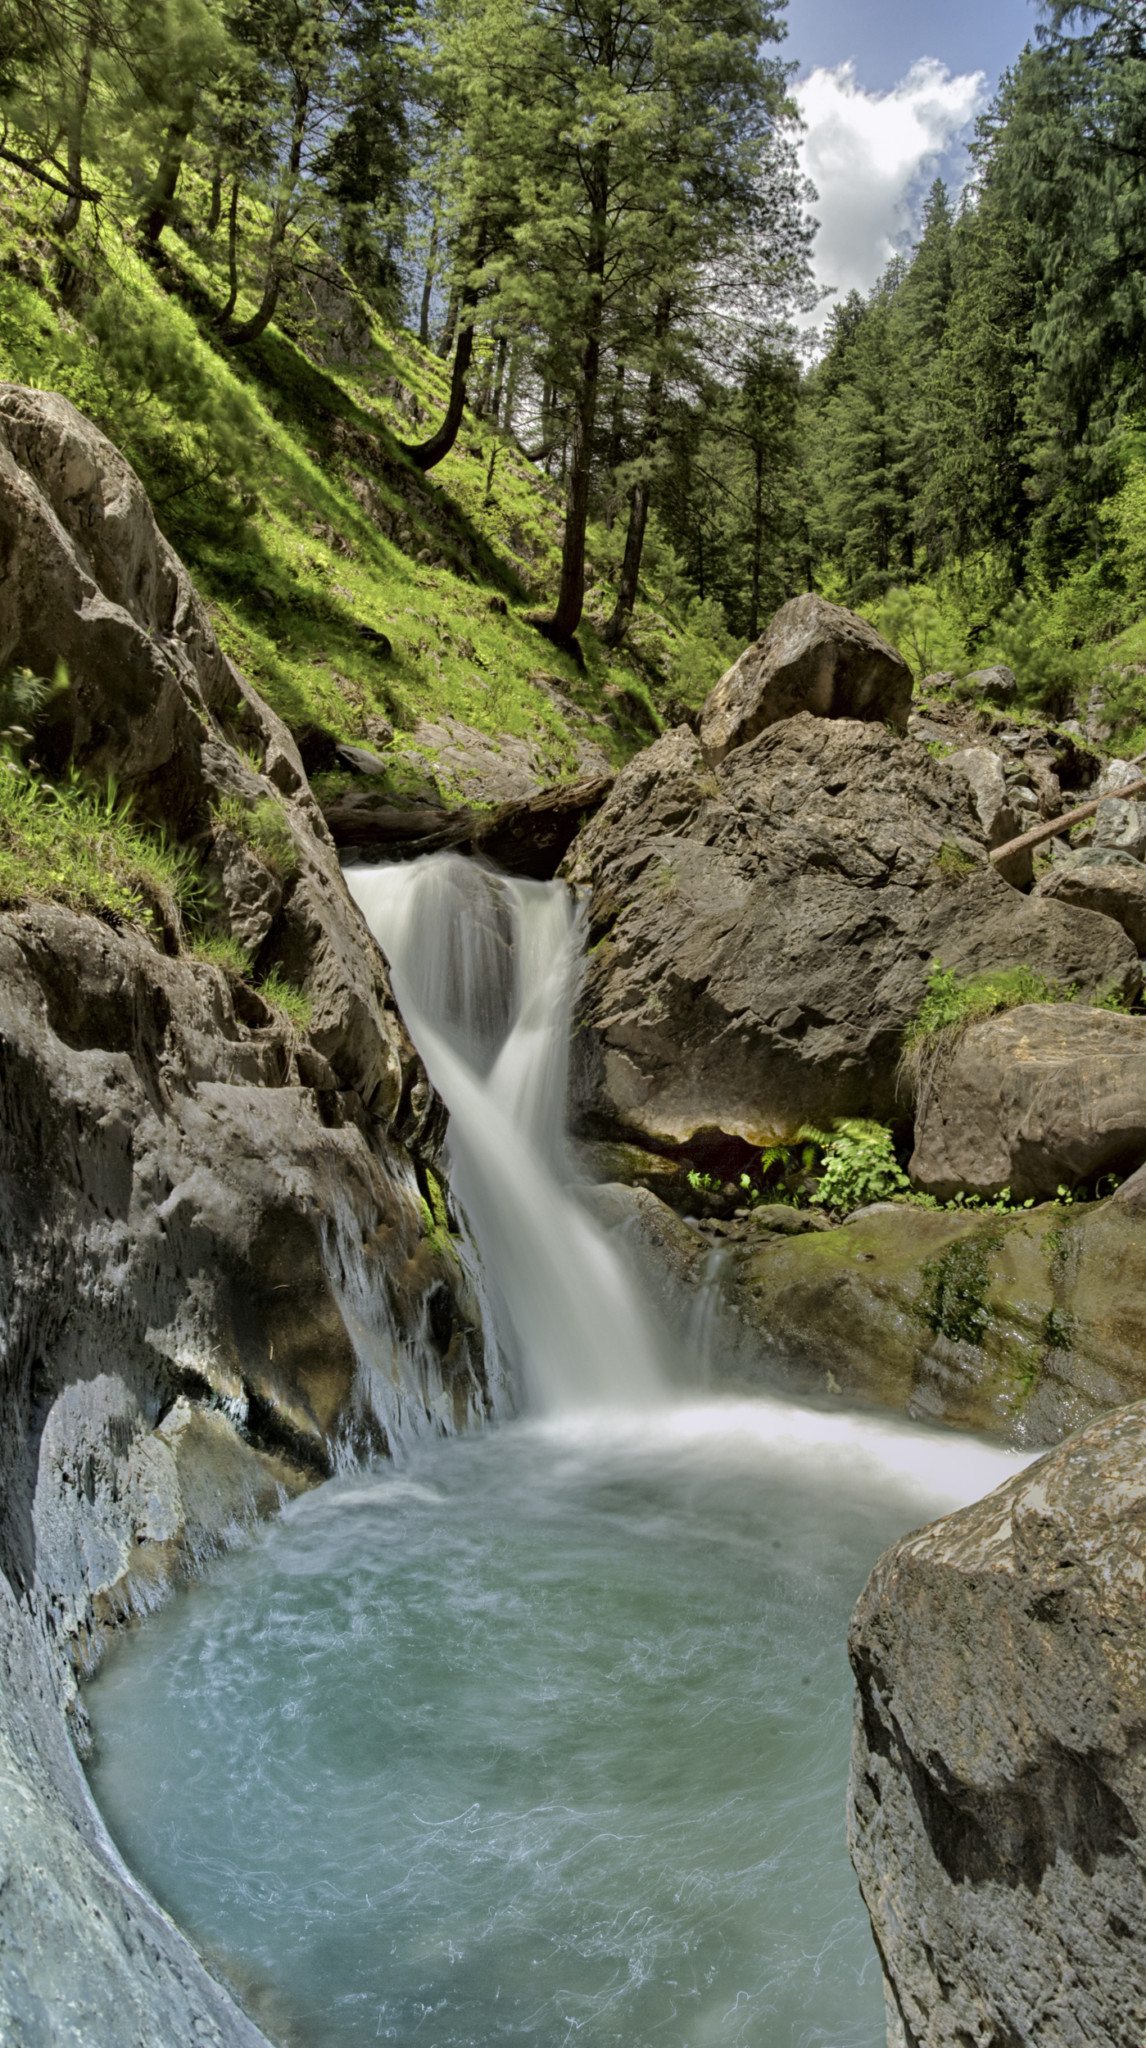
(761,933)
(814,657)
(214,1264)
(997,1809)
(1025,1323)
(1045,1095)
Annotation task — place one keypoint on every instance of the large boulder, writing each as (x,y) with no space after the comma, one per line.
(997,1810)
(1112,883)
(1026,1323)
(1041,1096)
(814,656)
(761,933)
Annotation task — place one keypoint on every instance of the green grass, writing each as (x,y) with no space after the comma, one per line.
(288,999)
(952,1001)
(264,828)
(220,950)
(71,845)
(279,480)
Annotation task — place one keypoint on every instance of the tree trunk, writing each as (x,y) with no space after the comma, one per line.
(216,207)
(498,379)
(571,591)
(757,544)
(509,401)
(274,276)
(426,454)
(446,338)
(69,216)
(157,214)
(641,493)
(428,284)
(629,578)
(616,441)
(224,317)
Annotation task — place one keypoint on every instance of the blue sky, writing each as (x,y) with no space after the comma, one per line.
(885,37)
(889,91)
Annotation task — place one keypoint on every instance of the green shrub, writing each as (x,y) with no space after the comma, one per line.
(952,1001)
(859,1167)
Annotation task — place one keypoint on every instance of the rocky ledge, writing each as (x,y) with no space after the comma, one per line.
(218,1260)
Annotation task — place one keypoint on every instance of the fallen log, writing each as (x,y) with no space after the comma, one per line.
(1052,827)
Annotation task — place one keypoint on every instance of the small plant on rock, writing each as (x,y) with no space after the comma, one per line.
(284,995)
(859,1167)
(262,826)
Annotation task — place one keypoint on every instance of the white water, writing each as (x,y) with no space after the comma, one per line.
(486,970)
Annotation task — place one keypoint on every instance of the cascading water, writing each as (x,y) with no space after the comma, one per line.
(541,1736)
(486,969)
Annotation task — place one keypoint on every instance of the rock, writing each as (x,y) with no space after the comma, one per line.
(761,933)
(359,760)
(1042,1096)
(214,1267)
(997,1807)
(981,770)
(813,657)
(1025,1323)
(997,685)
(1120,822)
(476,767)
(1115,887)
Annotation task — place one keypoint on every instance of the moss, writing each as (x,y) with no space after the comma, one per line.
(1058,1330)
(956,1283)
(953,863)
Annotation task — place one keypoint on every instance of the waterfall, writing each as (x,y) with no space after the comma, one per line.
(485,971)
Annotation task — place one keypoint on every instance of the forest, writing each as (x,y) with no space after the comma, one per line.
(586,221)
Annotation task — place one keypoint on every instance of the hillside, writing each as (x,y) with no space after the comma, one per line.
(366,602)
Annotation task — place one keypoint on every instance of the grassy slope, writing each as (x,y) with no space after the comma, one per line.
(276,474)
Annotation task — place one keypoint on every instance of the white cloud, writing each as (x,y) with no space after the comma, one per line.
(870,156)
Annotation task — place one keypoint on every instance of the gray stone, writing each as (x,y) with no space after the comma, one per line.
(981,770)
(761,933)
(813,657)
(1116,887)
(1120,822)
(214,1265)
(997,685)
(997,1809)
(1041,1096)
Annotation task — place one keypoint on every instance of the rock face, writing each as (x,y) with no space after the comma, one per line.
(997,1809)
(1044,1095)
(814,657)
(1115,886)
(1026,1324)
(215,1266)
(761,933)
